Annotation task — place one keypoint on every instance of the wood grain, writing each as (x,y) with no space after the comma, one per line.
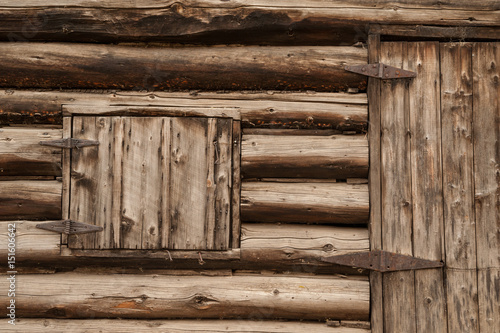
(330,203)
(22,155)
(287,156)
(80,295)
(30,65)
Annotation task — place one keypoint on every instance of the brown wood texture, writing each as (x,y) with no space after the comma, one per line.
(455,33)
(29,65)
(279,110)
(22,155)
(148,296)
(295,248)
(288,156)
(152,183)
(236,187)
(486,118)
(210,21)
(458,181)
(327,203)
(30,199)
(178,326)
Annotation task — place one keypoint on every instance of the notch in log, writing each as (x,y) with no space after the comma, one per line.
(69,143)
(383,261)
(381,71)
(69,227)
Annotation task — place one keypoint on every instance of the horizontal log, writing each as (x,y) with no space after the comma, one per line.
(30,199)
(79,295)
(338,111)
(176,326)
(22,155)
(332,203)
(36,65)
(211,21)
(336,156)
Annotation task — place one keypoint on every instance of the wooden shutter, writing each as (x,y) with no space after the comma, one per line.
(153,182)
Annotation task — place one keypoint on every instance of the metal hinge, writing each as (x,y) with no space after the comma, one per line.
(70,143)
(69,227)
(381,71)
(383,261)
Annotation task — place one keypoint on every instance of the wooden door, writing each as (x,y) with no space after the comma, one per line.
(435,186)
(153,182)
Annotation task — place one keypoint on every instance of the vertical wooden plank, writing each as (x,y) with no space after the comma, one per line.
(112,240)
(458,187)
(210,142)
(91,180)
(486,117)
(375,226)
(236,187)
(427,180)
(142,171)
(188,183)
(398,287)
(223,179)
(66,174)
(166,157)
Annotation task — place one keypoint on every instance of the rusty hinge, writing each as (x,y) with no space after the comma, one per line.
(70,143)
(69,227)
(382,261)
(381,71)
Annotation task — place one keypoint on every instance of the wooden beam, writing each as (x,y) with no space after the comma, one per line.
(330,203)
(336,156)
(334,111)
(146,296)
(457,33)
(22,155)
(29,65)
(312,22)
(202,326)
(33,199)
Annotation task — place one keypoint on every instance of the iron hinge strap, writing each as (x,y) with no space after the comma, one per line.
(382,261)
(69,227)
(70,143)
(381,71)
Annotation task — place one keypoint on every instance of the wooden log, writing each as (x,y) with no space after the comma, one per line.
(179,326)
(144,296)
(210,21)
(261,110)
(338,156)
(29,65)
(33,199)
(297,248)
(22,155)
(331,203)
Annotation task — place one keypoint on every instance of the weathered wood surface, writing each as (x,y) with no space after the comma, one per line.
(137,182)
(486,118)
(33,199)
(458,181)
(331,203)
(22,155)
(336,156)
(236,186)
(398,287)
(79,295)
(175,326)
(272,110)
(28,65)
(457,33)
(211,21)
(263,246)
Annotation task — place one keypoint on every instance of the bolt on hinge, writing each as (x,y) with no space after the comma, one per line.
(381,71)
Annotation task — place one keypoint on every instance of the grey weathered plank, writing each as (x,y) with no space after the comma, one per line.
(486,117)
(458,186)
(399,291)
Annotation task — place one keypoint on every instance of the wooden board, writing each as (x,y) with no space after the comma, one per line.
(22,155)
(157,182)
(41,65)
(286,156)
(149,296)
(486,117)
(458,180)
(327,203)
